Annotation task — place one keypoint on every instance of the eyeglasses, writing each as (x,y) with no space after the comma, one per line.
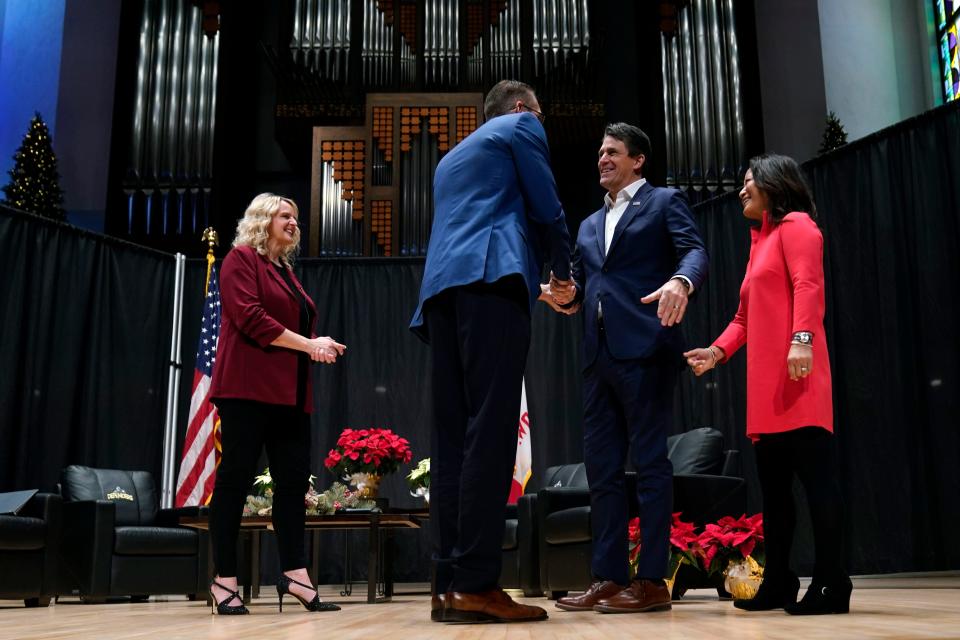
(540,115)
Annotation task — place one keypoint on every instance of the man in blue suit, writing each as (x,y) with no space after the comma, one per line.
(496,211)
(637,261)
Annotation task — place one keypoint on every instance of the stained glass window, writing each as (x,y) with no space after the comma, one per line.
(947,17)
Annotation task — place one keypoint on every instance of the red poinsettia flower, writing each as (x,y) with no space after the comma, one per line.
(370,450)
(728,537)
(683,535)
(633,536)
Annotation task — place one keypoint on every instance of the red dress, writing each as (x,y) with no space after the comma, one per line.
(782,292)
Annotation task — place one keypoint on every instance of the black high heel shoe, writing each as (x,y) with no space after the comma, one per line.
(283,588)
(822,599)
(224,609)
(772,594)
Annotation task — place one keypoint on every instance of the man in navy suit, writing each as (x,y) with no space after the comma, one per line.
(638,259)
(496,211)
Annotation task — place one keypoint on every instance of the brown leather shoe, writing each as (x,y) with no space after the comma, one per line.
(599,590)
(640,595)
(488,606)
(436,608)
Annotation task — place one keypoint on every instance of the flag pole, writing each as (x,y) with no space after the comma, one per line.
(173,386)
(167,488)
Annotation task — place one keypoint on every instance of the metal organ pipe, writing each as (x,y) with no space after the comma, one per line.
(705,95)
(171,138)
(321,36)
(739,145)
(377,53)
(702,102)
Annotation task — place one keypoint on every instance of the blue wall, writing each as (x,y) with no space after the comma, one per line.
(59,57)
(31,37)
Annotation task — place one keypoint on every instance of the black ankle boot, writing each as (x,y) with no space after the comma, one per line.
(823,598)
(774,593)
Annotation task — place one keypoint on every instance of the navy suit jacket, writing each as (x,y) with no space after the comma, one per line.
(655,239)
(496,210)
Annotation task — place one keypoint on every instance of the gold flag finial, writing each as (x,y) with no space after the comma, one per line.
(211,238)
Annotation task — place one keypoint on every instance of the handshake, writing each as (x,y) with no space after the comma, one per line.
(558,293)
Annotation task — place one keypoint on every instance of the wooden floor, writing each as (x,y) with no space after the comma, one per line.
(884,607)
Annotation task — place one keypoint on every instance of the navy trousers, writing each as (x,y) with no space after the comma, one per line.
(628,403)
(479,338)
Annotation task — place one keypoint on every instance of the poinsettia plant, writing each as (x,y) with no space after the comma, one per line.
(377,451)
(731,538)
(684,547)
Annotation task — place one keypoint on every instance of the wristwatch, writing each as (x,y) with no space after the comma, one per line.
(802,337)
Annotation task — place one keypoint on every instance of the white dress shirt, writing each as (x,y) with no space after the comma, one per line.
(615,210)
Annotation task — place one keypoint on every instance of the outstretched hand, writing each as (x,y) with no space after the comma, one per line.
(672,297)
(701,360)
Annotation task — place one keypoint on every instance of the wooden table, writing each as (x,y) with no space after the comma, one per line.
(379,558)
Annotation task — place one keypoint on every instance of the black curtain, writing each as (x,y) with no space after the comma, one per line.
(86,331)
(86,340)
(889,210)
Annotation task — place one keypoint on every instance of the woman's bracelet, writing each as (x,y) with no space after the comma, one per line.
(716,360)
(802,337)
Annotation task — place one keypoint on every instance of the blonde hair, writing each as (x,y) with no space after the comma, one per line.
(252,228)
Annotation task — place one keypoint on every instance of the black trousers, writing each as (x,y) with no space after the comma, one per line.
(479,338)
(810,454)
(246,427)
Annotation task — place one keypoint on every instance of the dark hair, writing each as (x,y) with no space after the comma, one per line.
(504,95)
(633,138)
(781,179)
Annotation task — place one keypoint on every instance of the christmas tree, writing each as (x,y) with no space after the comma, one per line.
(34,181)
(834,136)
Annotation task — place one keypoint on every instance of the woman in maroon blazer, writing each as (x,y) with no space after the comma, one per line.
(789,397)
(263,392)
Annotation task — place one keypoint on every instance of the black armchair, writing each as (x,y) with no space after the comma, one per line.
(117,542)
(29,544)
(521,546)
(702,491)
(707,480)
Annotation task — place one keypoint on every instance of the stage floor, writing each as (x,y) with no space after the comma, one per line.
(925,606)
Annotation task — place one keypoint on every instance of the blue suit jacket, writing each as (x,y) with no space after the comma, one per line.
(495,210)
(655,240)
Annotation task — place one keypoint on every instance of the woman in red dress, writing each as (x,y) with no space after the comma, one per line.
(789,398)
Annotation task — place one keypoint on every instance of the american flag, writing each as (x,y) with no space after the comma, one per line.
(201,447)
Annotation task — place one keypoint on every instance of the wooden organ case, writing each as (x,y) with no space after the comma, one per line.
(372,186)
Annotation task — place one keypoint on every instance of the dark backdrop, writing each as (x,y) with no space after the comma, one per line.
(86,329)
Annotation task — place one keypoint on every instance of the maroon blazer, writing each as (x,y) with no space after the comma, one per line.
(256,306)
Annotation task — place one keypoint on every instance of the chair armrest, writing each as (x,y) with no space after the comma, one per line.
(732,463)
(86,548)
(49,508)
(549,500)
(528,543)
(511,512)
(556,498)
(171,518)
